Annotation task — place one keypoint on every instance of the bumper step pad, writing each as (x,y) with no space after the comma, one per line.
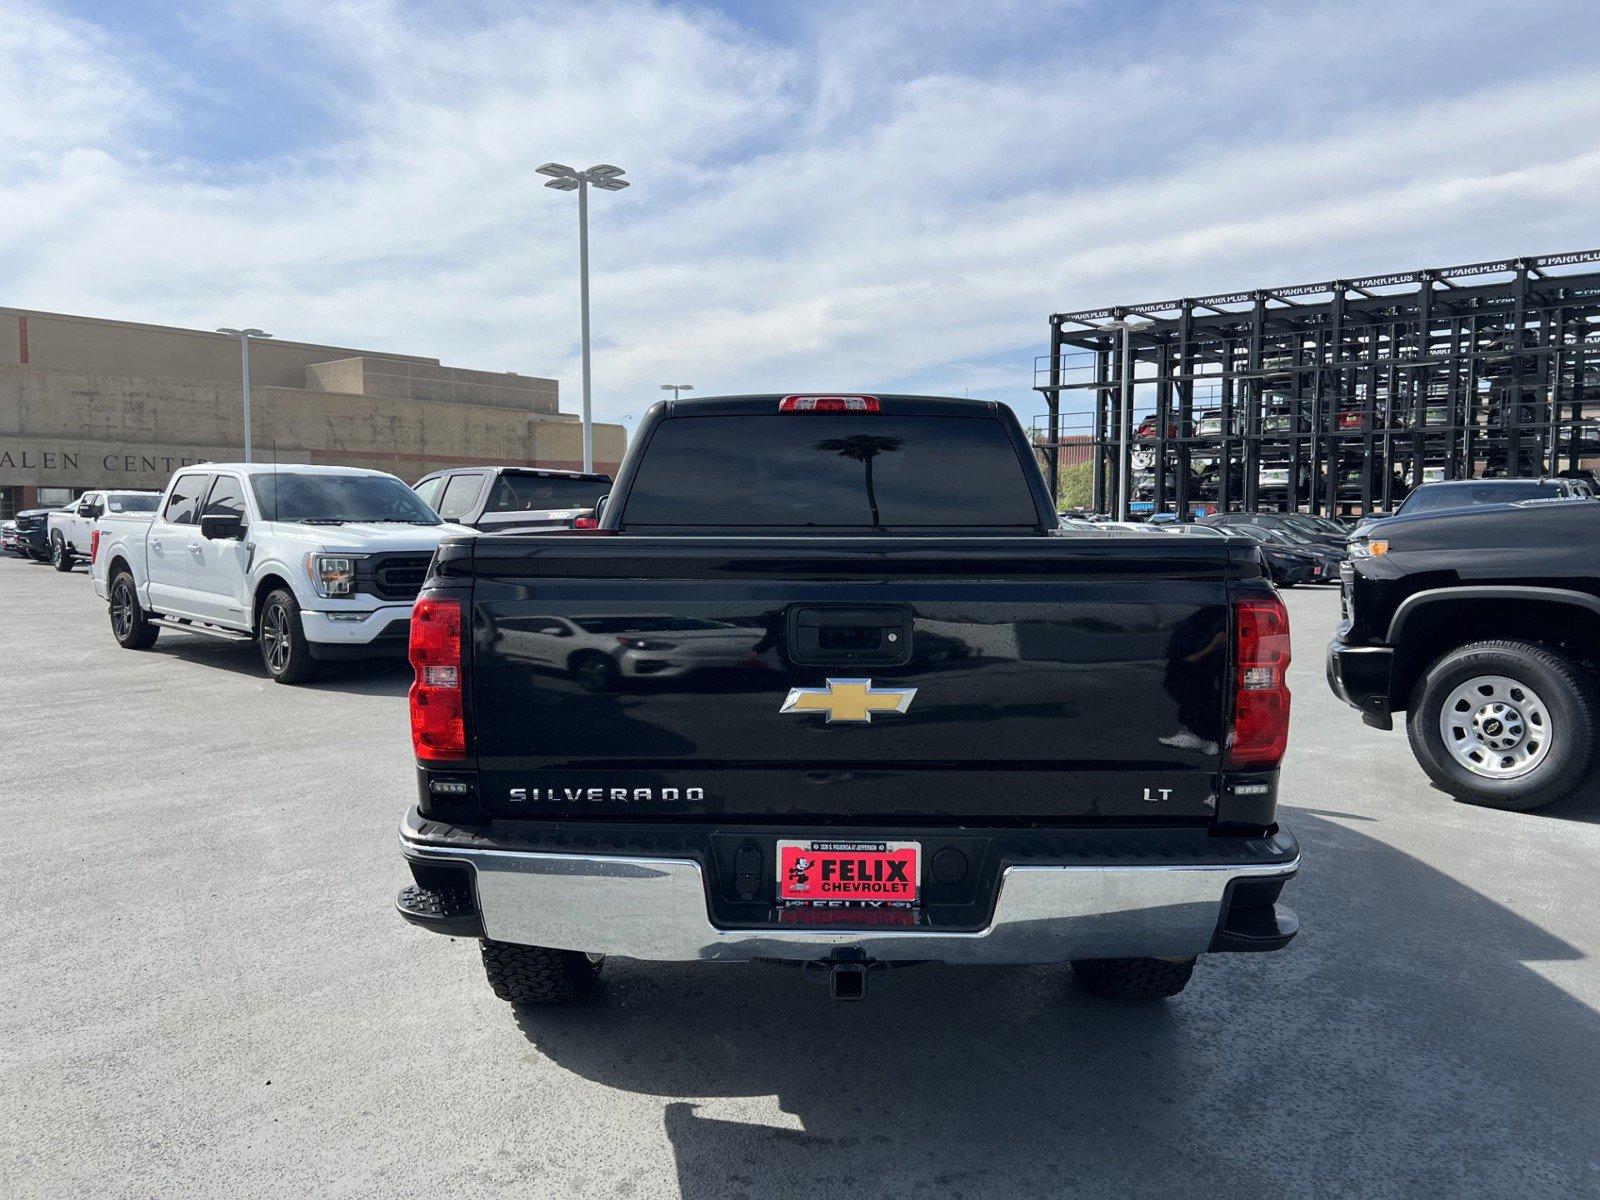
(450,911)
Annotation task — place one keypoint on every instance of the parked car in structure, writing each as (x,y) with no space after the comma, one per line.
(314,563)
(1482,625)
(10,542)
(943,757)
(72,530)
(1463,494)
(505,499)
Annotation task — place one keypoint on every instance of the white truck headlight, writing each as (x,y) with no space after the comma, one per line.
(333,575)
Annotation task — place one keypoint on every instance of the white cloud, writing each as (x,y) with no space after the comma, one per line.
(852,208)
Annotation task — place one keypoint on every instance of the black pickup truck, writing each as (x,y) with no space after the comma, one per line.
(1482,625)
(864,704)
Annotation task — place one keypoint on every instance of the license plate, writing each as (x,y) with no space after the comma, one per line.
(831,871)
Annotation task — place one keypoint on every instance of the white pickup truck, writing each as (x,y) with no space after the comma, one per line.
(71,530)
(314,563)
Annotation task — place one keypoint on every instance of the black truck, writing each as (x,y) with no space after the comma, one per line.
(870,707)
(1482,625)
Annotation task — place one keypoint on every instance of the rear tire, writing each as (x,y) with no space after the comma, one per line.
(1132,978)
(285,652)
(130,624)
(60,556)
(1546,696)
(537,975)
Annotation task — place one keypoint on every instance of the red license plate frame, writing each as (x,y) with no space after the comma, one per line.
(855,872)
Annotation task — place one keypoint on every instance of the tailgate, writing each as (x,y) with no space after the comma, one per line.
(1010,678)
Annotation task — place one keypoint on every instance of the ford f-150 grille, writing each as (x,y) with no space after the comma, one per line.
(393,576)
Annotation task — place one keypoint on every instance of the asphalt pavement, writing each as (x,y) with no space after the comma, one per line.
(206,991)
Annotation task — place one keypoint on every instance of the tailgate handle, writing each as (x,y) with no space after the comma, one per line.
(879,635)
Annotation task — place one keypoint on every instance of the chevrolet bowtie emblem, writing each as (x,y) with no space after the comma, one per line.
(848,700)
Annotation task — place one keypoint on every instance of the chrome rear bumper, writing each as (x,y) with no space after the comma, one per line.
(656,908)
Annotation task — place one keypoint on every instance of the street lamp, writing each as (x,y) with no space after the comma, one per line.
(1125,412)
(244,336)
(564,179)
(675,388)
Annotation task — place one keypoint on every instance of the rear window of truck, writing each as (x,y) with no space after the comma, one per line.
(531,493)
(850,471)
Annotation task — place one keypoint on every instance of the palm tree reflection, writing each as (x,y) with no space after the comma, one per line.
(863,448)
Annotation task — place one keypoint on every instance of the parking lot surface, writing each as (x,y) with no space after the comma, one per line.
(206,990)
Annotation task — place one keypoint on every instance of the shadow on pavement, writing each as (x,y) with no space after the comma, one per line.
(362,676)
(1407,1044)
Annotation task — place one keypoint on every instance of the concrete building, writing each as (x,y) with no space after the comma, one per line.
(89,403)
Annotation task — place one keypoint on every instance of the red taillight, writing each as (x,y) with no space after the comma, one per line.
(438,727)
(1260,683)
(94,544)
(585,522)
(828,404)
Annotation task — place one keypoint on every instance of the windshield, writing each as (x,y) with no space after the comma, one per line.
(533,493)
(1431,497)
(125,502)
(335,499)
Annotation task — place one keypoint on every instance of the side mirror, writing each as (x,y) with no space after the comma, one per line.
(600,506)
(225,527)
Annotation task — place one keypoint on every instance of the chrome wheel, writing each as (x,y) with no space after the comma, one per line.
(122,607)
(1496,727)
(58,552)
(275,638)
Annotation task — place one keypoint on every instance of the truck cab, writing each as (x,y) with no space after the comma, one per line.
(507,499)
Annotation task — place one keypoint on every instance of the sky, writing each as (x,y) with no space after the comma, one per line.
(842,196)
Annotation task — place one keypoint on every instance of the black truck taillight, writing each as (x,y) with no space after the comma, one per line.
(1260,732)
(438,722)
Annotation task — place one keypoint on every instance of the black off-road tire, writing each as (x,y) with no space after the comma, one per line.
(60,556)
(285,652)
(1562,685)
(537,975)
(130,624)
(1133,978)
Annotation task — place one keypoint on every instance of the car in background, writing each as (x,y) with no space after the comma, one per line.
(1465,494)
(1287,563)
(10,543)
(72,529)
(1325,547)
(33,532)
(313,563)
(508,499)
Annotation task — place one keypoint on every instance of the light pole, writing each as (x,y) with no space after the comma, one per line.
(564,179)
(675,388)
(244,336)
(1125,413)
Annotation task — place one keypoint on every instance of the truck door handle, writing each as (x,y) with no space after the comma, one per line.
(194,547)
